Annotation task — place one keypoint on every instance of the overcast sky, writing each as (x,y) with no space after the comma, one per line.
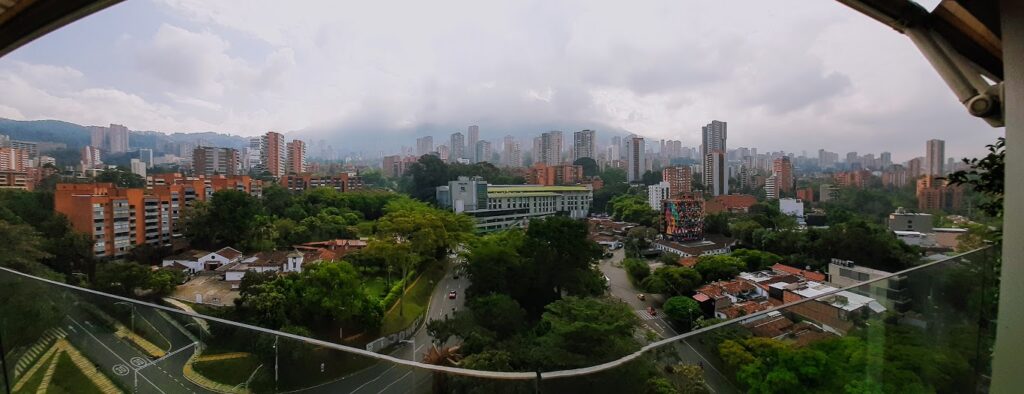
(786,74)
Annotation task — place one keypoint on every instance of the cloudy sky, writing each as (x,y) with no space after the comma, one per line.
(786,74)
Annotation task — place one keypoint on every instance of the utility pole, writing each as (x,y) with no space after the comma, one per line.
(275,361)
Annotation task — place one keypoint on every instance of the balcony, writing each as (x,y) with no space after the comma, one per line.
(836,340)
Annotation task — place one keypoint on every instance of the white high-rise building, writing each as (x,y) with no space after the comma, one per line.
(583,145)
(457,149)
(511,155)
(713,137)
(138,167)
(472,137)
(483,151)
(935,157)
(636,159)
(658,193)
(551,147)
(424,145)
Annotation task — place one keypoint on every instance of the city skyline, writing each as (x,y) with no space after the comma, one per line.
(245,77)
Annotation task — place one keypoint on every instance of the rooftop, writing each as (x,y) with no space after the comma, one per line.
(534,188)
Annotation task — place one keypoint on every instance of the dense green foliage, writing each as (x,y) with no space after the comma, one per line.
(637,269)
(614,184)
(682,310)
(281,218)
(121,178)
(572,332)
(322,296)
(590,167)
(31,223)
(534,268)
(632,208)
(720,267)
(426,174)
(673,281)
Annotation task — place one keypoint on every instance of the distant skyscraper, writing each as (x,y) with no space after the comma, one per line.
(512,155)
(538,150)
(712,149)
(253,154)
(716,176)
(851,157)
(636,159)
(443,152)
(935,157)
(679,179)
(713,137)
(424,145)
(472,137)
(13,159)
(273,154)
(583,145)
(90,157)
(146,156)
(208,160)
(885,160)
(457,149)
(915,168)
(782,170)
(617,148)
(296,157)
(138,167)
(113,139)
(483,151)
(551,147)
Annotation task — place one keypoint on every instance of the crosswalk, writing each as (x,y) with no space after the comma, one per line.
(644,315)
(48,338)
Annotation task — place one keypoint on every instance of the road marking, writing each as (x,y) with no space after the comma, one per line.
(111,351)
(645,315)
(392,383)
(374,379)
(120,369)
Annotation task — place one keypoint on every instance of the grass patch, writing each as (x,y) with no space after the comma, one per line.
(230,371)
(414,303)
(67,378)
(33,382)
(376,286)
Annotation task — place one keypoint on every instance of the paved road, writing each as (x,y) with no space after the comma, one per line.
(620,287)
(122,361)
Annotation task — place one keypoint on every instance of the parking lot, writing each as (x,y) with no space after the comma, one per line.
(210,288)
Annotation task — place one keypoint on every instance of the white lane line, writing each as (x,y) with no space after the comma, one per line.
(392,383)
(112,352)
(712,366)
(374,379)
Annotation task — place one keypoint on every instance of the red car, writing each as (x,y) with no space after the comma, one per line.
(651,310)
(452,294)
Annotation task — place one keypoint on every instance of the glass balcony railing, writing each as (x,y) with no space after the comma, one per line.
(935,336)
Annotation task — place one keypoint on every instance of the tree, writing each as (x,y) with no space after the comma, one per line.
(590,167)
(121,178)
(720,267)
(676,281)
(22,250)
(651,177)
(585,331)
(230,218)
(637,269)
(987,176)
(123,278)
(163,282)
(682,310)
(426,175)
(756,260)
(632,208)
(638,239)
(717,223)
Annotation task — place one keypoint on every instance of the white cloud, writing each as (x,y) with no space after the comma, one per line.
(816,75)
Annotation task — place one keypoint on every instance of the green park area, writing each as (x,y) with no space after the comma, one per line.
(405,311)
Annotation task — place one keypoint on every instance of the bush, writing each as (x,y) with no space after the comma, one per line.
(637,269)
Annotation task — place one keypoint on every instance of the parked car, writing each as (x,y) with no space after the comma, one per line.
(452,294)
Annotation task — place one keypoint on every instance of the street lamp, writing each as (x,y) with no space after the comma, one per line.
(133,312)
(198,328)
